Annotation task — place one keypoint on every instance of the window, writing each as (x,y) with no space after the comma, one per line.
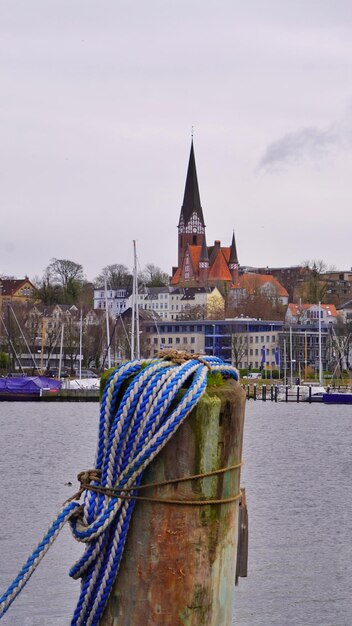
(155,340)
(163,340)
(256,352)
(178,340)
(169,340)
(193,339)
(184,339)
(256,339)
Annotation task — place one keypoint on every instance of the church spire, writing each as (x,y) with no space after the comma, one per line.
(191,227)
(191,206)
(204,264)
(233,250)
(204,252)
(233,261)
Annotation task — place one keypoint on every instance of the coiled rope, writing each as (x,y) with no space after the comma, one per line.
(139,414)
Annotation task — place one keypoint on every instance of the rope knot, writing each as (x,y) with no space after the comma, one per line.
(85,478)
(178,357)
(89,476)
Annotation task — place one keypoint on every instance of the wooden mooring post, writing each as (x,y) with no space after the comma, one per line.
(179,562)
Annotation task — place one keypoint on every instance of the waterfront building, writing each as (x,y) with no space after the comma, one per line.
(309,314)
(239,341)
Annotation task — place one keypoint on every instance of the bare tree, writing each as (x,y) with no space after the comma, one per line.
(153,276)
(257,305)
(342,344)
(116,276)
(239,348)
(68,275)
(313,290)
(71,340)
(94,343)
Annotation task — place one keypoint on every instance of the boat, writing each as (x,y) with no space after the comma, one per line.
(301,393)
(14,388)
(74,384)
(335,397)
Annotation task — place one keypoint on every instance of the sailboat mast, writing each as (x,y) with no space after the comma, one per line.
(42,349)
(80,345)
(135,349)
(61,347)
(320,359)
(291,362)
(107,325)
(133,301)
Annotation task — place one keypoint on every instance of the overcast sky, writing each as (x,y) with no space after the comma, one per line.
(98,99)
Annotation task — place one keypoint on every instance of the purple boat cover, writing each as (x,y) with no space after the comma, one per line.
(28,384)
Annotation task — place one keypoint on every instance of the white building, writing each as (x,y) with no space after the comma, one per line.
(309,314)
(117,300)
(168,302)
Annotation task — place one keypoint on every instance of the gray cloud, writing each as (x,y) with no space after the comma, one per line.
(306,144)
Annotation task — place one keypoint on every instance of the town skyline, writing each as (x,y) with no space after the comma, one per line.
(97,119)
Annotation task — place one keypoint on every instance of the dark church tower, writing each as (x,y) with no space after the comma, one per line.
(233,262)
(191,227)
(204,264)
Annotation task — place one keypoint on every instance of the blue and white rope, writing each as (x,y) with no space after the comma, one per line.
(135,424)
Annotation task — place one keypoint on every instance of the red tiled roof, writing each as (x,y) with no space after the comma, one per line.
(250,282)
(176,277)
(194,253)
(296,309)
(219,269)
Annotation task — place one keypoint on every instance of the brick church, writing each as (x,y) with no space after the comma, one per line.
(200,265)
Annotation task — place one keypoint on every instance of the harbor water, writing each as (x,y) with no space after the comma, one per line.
(297,474)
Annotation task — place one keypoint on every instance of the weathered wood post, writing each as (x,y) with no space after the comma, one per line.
(179,562)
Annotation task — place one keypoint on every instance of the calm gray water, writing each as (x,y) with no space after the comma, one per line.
(297,473)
